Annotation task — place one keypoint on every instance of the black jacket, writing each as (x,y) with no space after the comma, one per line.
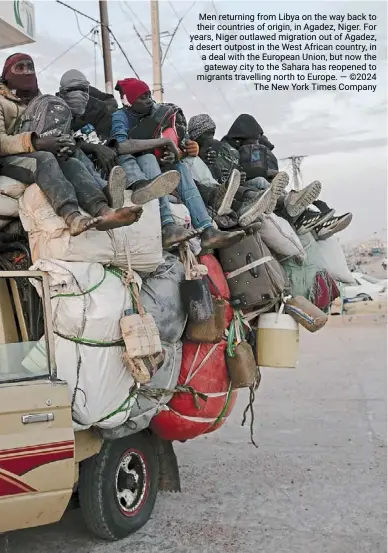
(245,128)
(98,112)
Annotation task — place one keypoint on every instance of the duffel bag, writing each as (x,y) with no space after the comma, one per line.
(255,278)
(210,401)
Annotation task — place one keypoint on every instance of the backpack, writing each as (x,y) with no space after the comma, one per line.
(254,160)
(161,123)
(227,159)
(46,115)
(272,161)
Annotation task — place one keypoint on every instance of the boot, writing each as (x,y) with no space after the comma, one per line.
(225,194)
(143,191)
(297,201)
(117,183)
(254,205)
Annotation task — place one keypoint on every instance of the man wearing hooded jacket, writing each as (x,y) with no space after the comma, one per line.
(31,158)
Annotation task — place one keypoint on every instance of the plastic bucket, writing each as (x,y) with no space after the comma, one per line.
(277,344)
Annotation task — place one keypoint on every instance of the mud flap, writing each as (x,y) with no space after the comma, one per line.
(169,480)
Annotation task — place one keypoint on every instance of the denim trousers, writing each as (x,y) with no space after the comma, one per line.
(146,167)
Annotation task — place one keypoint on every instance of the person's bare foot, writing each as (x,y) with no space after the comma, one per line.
(174,234)
(116,218)
(78,223)
(213,239)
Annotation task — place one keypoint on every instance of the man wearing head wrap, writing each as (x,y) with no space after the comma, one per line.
(140,117)
(30,158)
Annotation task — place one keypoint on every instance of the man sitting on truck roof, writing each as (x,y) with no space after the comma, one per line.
(30,158)
(141,117)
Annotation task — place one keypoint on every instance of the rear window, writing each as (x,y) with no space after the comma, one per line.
(23,351)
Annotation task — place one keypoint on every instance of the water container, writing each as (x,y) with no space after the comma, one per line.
(277,344)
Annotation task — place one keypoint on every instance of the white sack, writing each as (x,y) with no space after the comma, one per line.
(181,215)
(145,407)
(332,258)
(97,373)
(11,187)
(8,207)
(280,237)
(50,239)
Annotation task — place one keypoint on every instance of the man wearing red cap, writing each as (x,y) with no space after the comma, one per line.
(30,158)
(142,118)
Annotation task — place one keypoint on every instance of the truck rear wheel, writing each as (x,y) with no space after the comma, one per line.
(118,487)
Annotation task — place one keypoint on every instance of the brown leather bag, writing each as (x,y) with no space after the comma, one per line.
(240,360)
(242,366)
(305,313)
(212,330)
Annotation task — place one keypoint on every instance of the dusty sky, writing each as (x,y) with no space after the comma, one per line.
(342,133)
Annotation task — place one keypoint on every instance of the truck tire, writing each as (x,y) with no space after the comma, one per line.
(118,487)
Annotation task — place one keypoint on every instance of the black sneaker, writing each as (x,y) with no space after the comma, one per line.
(311,219)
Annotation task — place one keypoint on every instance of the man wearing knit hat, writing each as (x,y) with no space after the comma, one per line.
(141,117)
(31,158)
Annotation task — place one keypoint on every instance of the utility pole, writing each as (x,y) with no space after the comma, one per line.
(106,52)
(156,52)
(296,162)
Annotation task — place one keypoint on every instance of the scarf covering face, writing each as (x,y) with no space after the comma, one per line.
(19,82)
(74,89)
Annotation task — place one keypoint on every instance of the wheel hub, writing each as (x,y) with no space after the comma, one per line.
(131,481)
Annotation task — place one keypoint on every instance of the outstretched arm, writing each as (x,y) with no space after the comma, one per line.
(135,146)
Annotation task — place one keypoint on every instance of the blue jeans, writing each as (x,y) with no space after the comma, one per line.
(79,154)
(258,182)
(192,199)
(147,167)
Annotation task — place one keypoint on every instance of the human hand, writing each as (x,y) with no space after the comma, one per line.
(106,157)
(168,158)
(171,148)
(211,156)
(191,148)
(66,146)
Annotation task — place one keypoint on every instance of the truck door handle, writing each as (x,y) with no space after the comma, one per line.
(38,417)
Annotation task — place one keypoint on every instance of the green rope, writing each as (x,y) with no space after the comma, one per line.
(123,408)
(89,291)
(225,408)
(90,342)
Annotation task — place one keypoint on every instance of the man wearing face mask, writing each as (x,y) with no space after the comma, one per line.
(74,89)
(30,158)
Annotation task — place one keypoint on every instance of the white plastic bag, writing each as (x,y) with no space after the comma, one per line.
(87,303)
(50,239)
(332,258)
(280,237)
